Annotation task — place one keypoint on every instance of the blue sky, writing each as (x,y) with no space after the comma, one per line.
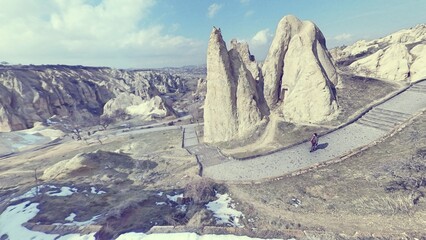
(159,33)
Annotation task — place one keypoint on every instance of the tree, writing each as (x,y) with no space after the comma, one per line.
(105,121)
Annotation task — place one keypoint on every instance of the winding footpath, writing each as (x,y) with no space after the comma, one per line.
(375,124)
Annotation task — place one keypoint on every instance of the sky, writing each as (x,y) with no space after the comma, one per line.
(174,33)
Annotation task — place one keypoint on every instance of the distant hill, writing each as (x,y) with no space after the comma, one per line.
(34,93)
(399,57)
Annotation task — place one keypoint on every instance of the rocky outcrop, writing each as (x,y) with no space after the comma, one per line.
(299,74)
(232,105)
(133,105)
(393,64)
(396,57)
(298,80)
(78,94)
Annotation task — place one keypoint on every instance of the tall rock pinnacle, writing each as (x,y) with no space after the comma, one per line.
(299,75)
(232,105)
(297,81)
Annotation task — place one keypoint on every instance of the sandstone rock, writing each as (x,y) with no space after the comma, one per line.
(394,57)
(298,80)
(136,106)
(417,68)
(232,107)
(299,74)
(220,113)
(76,94)
(392,63)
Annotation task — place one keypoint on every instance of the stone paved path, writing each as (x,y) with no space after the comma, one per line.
(373,125)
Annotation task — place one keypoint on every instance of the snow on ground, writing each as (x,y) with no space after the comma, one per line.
(224,211)
(12,219)
(71,222)
(63,192)
(180,236)
(95,191)
(20,140)
(54,192)
(174,198)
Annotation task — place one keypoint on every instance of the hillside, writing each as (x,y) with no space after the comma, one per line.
(398,57)
(78,94)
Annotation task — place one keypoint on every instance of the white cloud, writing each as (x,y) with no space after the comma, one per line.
(249,13)
(343,37)
(213,9)
(112,33)
(261,38)
(260,43)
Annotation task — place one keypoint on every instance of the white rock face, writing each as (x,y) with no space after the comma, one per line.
(397,57)
(136,106)
(76,94)
(298,79)
(231,108)
(418,67)
(299,74)
(392,63)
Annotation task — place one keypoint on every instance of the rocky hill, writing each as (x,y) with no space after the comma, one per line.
(297,80)
(398,57)
(31,94)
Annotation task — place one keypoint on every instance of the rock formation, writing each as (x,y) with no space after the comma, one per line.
(31,94)
(298,79)
(232,105)
(396,57)
(134,105)
(299,74)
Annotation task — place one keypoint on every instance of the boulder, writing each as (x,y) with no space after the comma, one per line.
(136,106)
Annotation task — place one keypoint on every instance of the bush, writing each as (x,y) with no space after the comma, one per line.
(201,190)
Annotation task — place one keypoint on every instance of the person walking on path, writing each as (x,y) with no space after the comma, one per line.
(314,142)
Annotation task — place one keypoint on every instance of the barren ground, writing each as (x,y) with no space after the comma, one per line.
(156,166)
(378,192)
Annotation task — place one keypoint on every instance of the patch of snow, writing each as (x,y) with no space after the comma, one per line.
(71,221)
(64,192)
(174,198)
(160,203)
(95,191)
(71,217)
(32,192)
(181,236)
(223,210)
(160,194)
(13,217)
(90,236)
(85,223)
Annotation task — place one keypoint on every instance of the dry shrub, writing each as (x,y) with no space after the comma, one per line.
(386,205)
(201,190)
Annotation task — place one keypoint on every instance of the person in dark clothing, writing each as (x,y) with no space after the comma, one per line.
(314,142)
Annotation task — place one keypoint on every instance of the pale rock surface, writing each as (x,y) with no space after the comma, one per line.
(75,94)
(92,164)
(248,101)
(220,113)
(418,68)
(394,57)
(136,106)
(299,74)
(232,105)
(392,63)
(240,94)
